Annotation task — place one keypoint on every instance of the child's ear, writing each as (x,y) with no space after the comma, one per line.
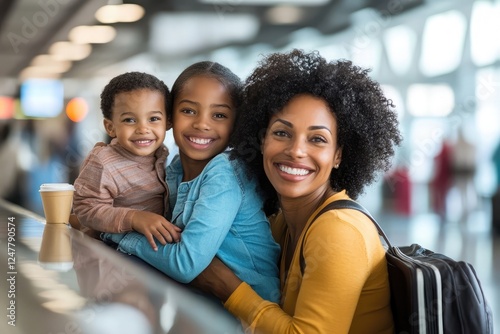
(109,127)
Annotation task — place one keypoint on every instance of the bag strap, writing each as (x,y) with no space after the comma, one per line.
(342,204)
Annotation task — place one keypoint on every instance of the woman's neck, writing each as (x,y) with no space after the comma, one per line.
(297,211)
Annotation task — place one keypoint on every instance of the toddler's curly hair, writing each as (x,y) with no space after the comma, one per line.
(128,82)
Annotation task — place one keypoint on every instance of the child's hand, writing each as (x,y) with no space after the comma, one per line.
(153,226)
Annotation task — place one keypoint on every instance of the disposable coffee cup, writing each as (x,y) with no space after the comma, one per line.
(57,200)
(55,250)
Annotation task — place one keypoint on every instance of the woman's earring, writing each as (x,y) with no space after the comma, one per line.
(337,166)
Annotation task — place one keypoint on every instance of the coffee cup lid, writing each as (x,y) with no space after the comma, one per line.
(56,266)
(56,187)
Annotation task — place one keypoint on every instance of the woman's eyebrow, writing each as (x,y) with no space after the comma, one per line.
(313,127)
(290,125)
(319,127)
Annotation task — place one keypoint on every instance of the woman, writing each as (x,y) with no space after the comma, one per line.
(324,131)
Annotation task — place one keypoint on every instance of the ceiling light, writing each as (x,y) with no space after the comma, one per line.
(70,51)
(442,43)
(119,13)
(37,72)
(50,61)
(400,43)
(484,20)
(430,100)
(284,14)
(56,67)
(205,31)
(92,34)
(45,66)
(266,2)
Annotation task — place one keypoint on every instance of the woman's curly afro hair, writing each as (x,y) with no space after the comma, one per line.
(367,124)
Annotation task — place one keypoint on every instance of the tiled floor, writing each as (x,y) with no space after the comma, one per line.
(465,233)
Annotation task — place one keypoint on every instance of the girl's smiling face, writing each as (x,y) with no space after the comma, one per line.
(203,118)
(300,148)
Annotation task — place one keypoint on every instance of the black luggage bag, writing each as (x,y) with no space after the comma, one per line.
(430,292)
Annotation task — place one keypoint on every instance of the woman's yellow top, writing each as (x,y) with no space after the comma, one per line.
(345,287)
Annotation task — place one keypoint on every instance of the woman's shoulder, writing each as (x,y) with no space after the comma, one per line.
(346,227)
(345,218)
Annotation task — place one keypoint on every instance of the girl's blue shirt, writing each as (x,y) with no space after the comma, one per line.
(220,212)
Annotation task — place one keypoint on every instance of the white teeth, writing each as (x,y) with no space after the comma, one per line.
(293,171)
(201,141)
(143,141)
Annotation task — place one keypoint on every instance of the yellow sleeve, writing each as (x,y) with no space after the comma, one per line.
(251,309)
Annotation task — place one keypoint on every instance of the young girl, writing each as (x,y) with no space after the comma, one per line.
(213,200)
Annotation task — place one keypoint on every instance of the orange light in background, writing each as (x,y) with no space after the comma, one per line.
(76,109)
(6,107)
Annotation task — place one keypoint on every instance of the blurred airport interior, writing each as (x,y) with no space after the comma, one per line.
(439,61)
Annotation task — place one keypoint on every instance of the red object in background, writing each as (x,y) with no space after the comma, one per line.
(398,191)
(441,182)
(402,192)
(6,107)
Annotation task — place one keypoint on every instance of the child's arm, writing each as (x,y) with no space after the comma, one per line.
(212,217)
(152,225)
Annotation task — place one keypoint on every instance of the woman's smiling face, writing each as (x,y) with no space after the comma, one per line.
(300,148)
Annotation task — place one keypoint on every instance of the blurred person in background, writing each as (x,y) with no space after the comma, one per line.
(43,152)
(463,168)
(442,179)
(10,141)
